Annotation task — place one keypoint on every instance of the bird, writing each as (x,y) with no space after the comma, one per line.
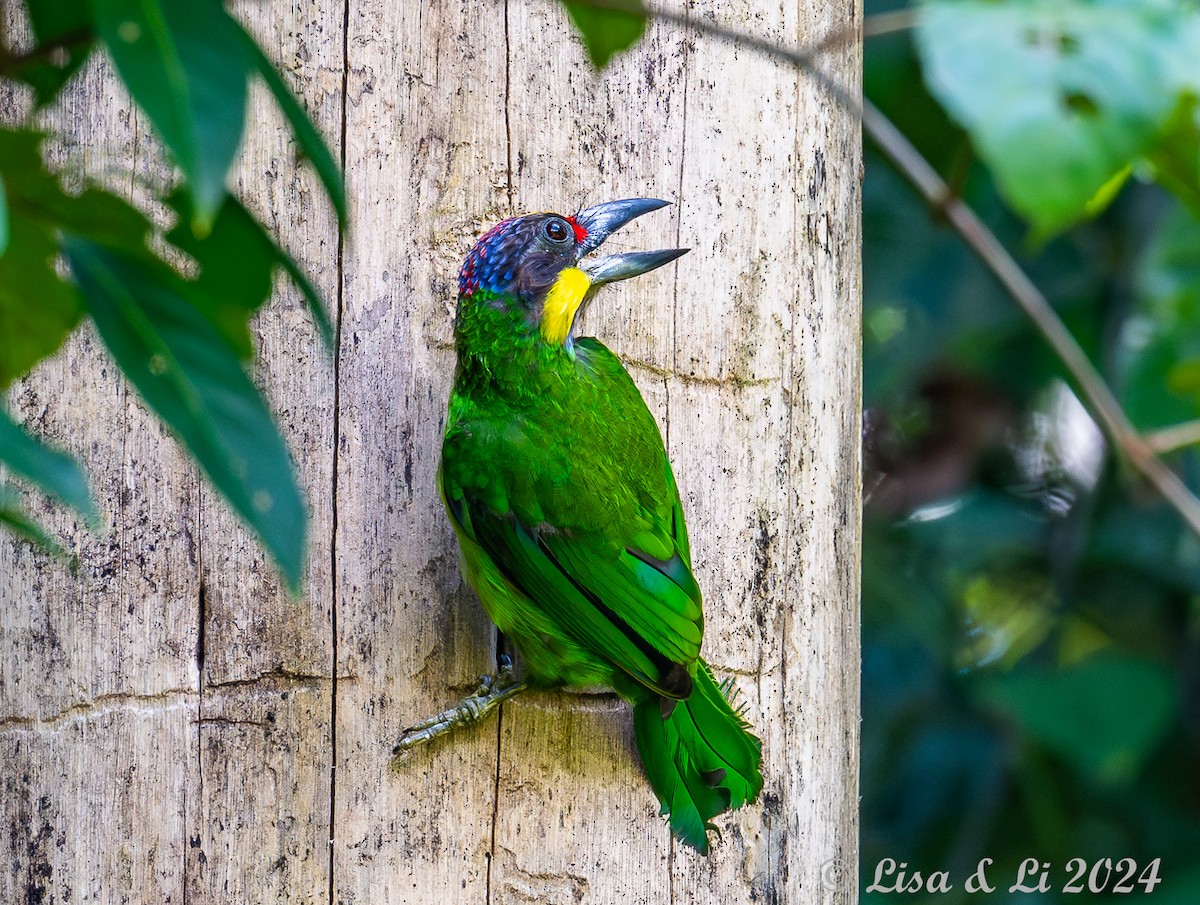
(569,522)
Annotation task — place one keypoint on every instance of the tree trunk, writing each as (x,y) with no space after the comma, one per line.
(174,728)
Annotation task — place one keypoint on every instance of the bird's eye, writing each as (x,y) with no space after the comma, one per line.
(556,230)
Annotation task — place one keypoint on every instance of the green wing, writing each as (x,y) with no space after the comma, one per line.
(639,612)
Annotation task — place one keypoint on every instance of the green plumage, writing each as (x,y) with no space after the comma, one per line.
(560,491)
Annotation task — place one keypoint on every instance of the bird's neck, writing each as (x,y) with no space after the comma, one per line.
(500,352)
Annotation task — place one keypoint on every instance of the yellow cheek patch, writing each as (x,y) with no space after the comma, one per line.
(562,301)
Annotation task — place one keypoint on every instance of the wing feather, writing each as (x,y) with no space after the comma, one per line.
(640,614)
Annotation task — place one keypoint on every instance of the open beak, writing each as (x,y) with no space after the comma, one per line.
(601,221)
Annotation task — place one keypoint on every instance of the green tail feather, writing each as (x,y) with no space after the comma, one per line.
(701,760)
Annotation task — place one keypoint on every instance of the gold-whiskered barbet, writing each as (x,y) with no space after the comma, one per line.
(558,485)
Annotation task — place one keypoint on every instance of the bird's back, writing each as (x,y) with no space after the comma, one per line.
(580,455)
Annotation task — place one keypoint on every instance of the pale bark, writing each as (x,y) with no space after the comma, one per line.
(173,726)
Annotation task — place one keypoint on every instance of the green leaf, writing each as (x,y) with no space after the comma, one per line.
(38,309)
(1104,715)
(53,471)
(57,22)
(1058,95)
(12,517)
(20,151)
(185,65)
(36,194)
(97,214)
(237,259)
(187,372)
(311,143)
(607,26)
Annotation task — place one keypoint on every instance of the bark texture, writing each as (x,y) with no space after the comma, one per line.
(173,728)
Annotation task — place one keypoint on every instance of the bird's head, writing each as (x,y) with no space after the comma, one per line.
(527,277)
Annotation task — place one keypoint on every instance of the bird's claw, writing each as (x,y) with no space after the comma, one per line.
(504,677)
(505,672)
(492,692)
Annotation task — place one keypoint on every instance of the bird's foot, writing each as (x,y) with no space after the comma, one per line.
(492,692)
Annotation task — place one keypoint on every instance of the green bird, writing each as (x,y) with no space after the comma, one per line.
(558,485)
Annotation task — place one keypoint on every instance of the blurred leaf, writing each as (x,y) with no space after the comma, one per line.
(1168,277)
(1138,551)
(57,22)
(237,260)
(38,309)
(972,530)
(187,372)
(13,518)
(607,27)
(1006,614)
(1080,639)
(1162,344)
(21,156)
(36,195)
(1176,159)
(97,214)
(1105,715)
(311,143)
(185,65)
(1163,382)
(1106,193)
(53,471)
(1058,95)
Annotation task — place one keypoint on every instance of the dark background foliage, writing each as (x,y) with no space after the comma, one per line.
(1031,677)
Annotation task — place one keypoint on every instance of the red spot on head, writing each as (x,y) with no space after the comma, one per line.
(580,232)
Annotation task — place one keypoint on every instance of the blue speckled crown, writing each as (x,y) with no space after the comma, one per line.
(489,265)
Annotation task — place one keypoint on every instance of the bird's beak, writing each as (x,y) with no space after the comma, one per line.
(601,222)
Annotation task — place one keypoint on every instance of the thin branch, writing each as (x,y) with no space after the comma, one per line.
(977,236)
(803,58)
(1169,439)
(887,23)
(872,27)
